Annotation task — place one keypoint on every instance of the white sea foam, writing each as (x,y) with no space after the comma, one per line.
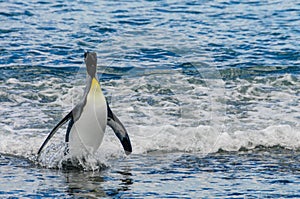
(162,111)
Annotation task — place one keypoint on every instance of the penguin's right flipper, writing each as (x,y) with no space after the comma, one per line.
(62,122)
(119,130)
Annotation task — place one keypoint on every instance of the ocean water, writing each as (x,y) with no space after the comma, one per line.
(209,92)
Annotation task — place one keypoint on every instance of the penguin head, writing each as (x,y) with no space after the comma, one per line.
(90,59)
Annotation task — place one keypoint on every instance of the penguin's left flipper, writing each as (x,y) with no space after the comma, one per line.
(62,122)
(119,130)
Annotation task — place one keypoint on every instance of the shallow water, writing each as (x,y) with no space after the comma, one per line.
(208,91)
(271,173)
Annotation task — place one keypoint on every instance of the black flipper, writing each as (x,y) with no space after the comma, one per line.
(69,129)
(62,122)
(119,130)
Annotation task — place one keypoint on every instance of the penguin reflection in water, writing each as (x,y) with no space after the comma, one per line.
(88,119)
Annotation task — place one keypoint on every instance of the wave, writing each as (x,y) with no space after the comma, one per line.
(149,140)
(163,111)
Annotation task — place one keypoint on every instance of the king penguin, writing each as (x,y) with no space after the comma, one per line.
(88,119)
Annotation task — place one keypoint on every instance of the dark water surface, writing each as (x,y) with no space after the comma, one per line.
(209,92)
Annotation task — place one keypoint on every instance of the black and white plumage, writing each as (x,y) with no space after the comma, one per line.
(88,119)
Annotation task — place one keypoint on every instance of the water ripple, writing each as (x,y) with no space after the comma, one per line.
(174,70)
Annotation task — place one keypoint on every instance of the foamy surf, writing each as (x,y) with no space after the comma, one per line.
(163,139)
(163,112)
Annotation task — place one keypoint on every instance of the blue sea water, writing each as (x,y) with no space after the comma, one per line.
(209,92)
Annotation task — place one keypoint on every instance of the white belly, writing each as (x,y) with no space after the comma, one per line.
(87,132)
